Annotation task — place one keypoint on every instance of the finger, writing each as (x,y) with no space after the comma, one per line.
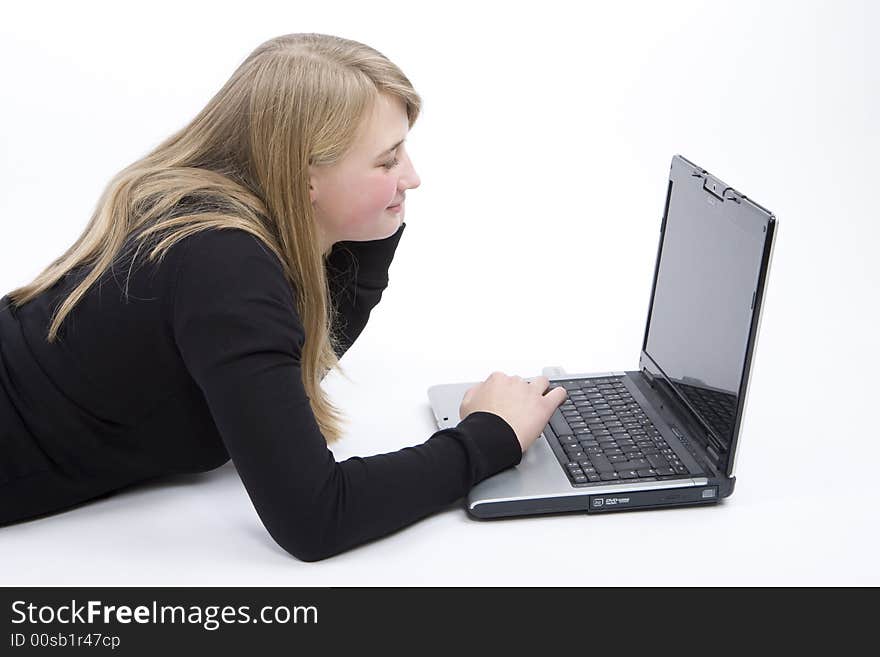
(556,396)
(542,383)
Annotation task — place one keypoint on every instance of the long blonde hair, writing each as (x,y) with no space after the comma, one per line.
(243,162)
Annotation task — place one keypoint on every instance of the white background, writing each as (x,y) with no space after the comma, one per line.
(543,147)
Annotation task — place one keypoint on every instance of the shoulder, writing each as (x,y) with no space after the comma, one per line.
(221,247)
(228,264)
(233,306)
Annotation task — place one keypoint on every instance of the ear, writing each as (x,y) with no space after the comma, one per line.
(313,185)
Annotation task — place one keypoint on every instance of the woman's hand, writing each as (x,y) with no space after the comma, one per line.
(522,404)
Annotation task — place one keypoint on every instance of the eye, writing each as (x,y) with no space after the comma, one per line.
(390,165)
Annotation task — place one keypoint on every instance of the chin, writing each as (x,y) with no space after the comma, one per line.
(382,227)
(393,224)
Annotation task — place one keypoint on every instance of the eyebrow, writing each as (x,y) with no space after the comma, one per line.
(392,148)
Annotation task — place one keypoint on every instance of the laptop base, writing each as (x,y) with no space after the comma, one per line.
(599,503)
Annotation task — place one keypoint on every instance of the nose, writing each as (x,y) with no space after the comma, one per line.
(411,179)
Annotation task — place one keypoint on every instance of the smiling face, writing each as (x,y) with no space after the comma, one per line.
(352,197)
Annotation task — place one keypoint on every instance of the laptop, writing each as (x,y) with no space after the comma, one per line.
(666,434)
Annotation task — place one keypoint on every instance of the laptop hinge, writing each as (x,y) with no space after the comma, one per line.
(709,445)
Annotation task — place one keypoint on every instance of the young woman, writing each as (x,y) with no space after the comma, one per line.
(218,281)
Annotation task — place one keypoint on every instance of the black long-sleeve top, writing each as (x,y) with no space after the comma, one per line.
(200,365)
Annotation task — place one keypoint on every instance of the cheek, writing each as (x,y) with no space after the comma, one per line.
(374,195)
(386,192)
(356,205)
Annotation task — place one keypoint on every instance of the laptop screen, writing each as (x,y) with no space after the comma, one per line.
(705,289)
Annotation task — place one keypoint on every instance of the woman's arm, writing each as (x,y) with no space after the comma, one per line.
(236,326)
(358,274)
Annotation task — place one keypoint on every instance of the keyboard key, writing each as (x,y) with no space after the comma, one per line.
(601,463)
(634,464)
(559,425)
(650,472)
(628,474)
(609,476)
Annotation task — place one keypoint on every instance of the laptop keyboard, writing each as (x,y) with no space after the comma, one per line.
(606,436)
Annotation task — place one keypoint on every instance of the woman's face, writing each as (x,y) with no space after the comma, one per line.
(352,197)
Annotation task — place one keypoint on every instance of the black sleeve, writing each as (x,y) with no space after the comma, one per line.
(237,329)
(358,274)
